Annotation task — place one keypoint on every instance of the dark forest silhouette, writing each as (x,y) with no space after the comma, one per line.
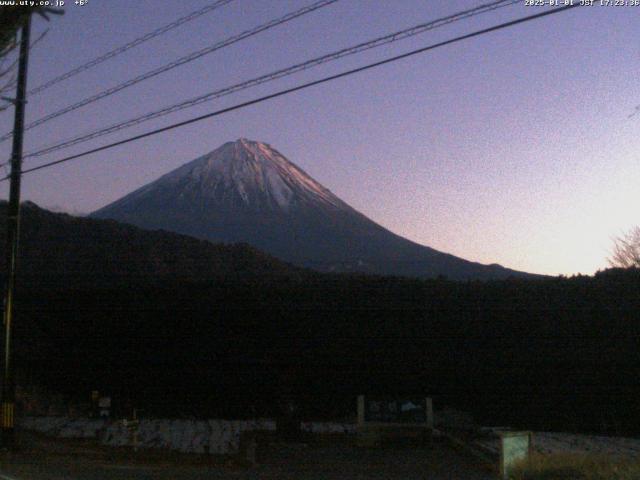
(182,327)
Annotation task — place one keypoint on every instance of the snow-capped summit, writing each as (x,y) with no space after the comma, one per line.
(242,172)
(252,172)
(246,191)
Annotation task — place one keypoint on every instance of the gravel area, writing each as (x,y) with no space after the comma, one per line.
(551,443)
(344,461)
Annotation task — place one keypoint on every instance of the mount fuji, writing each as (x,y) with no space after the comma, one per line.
(247,191)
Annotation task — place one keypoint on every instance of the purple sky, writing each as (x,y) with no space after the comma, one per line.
(512,148)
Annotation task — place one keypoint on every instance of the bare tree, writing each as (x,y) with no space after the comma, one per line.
(11,19)
(626,250)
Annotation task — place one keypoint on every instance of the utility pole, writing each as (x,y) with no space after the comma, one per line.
(7,431)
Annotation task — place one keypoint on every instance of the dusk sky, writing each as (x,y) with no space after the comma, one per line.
(517,147)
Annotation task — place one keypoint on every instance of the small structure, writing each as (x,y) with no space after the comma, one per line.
(393,417)
(515,447)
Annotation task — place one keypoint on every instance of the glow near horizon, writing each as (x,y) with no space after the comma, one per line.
(513,148)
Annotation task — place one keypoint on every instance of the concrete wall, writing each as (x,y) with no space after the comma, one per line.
(196,436)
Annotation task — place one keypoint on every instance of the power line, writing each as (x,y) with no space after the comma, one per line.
(134,43)
(303,86)
(377,42)
(176,63)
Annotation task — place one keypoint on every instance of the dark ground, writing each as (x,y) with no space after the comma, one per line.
(40,458)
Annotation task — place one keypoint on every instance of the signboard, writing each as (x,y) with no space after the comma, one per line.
(396,410)
(514,447)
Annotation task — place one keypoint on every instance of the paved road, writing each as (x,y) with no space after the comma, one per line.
(43,459)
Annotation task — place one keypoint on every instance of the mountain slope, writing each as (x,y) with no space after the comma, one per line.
(247,191)
(60,248)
